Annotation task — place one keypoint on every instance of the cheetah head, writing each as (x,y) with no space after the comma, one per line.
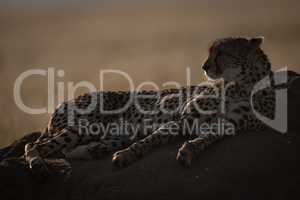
(237,59)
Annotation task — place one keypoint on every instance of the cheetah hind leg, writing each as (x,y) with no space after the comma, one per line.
(36,152)
(43,168)
(37,165)
(98,149)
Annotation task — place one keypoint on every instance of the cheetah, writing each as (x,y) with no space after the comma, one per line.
(156,118)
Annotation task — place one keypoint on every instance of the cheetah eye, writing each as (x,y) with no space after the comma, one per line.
(224,58)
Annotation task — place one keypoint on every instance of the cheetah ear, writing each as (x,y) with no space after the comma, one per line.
(257,41)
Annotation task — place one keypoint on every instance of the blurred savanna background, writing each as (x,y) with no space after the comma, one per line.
(150,40)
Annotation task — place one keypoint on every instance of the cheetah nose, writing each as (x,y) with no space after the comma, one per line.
(205,67)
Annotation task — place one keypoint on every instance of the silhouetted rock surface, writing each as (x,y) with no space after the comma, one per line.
(254,165)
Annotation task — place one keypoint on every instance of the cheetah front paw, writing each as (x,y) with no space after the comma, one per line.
(185,155)
(123,158)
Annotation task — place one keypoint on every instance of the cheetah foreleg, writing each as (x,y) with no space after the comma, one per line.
(163,135)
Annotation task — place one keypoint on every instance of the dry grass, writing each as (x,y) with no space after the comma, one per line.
(154,42)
